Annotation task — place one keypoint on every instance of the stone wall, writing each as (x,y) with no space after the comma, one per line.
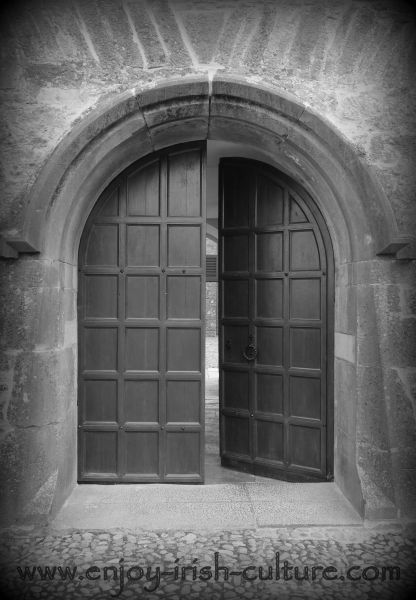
(352,61)
(345,71)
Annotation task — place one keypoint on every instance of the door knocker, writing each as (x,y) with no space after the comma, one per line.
(250,352)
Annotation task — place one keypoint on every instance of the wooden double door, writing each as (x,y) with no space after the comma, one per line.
(141,314)
(275,306)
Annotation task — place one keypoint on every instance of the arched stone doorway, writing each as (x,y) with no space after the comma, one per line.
(298,142)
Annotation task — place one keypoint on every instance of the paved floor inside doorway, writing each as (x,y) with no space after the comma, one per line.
(213,506)
(228,499)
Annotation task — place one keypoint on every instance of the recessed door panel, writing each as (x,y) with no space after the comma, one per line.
(270,346)
(142,452)
(270,202)
(182,453)
(237,435)
(100,349)
(143,243)
(143,191)
(305,348)
(141,321)
(234,341)
(235,297)
(276,279)
(183,401)
(235,389)
(183,349)
(141,401)
(183,297)
(305,397)
(237,187)
(269,298)
(102,247)
(304,253)
(269,255)
(184,184)
(100,452)
(296,213)
(305,446)
(269,393)
(270,440)
(101,296)
(142,296)
(100,400)
(305,298)
(141,349)
(235,254)
(110,206)
(184,246)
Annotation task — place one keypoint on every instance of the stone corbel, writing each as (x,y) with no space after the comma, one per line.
(398,243)
(13,247)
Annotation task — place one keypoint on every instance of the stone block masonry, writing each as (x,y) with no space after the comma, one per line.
(352,62)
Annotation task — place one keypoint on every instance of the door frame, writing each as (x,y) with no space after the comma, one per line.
(329,325)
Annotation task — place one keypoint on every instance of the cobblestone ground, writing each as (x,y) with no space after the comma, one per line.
(367,550)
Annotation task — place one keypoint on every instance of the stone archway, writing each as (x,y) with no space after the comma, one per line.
(299,143)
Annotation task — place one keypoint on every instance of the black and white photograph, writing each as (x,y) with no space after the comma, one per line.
(208,299)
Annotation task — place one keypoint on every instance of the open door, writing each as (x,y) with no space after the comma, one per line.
(141,309)
(276,279)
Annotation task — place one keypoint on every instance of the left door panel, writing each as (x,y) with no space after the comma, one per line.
(141,316)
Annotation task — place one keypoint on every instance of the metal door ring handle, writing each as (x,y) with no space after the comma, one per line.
(250,352)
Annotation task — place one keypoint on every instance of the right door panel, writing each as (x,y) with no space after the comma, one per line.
(276,290)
